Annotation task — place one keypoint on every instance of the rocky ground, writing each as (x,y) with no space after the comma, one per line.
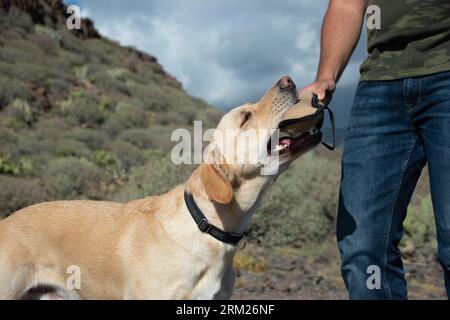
(313,273)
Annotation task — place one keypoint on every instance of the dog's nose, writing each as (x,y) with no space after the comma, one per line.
(286,83)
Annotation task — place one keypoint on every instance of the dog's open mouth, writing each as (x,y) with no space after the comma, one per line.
(293,144)
(298,129)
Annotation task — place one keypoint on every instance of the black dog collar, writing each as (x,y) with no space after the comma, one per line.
(204,226)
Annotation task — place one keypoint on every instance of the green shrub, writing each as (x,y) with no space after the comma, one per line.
(132,63)
(7,136)
(89,114)
(77,94)
(155,137)
(18,19)
(94,139)
(45,42)
(20,114)
(301,206)
(98,52)
(9,143)
(29,145)
(83,112)
(10,90)
(170,118)
(49,129)
(70,43)
(141,138)
(161,137)
(11,54)
(10,33)
(83,72)
(110,83)
(153,96)
(70,178)
(104,159)
(125,117)
(118,73)
(189,116)
(17,193)
(34,71)
(157,176)
(14,167)
(71,148)
(8,167)
(113,126)
(72,59)
(127,155)
(46,31)
(419,225)
(58,87)
(26,61)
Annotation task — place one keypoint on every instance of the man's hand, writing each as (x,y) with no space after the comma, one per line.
(323,88)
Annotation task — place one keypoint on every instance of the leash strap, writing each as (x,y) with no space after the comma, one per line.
(315,103)
(206,227)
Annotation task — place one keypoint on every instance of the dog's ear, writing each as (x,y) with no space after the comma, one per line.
(216,184)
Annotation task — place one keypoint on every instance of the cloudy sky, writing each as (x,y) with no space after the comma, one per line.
(226,51)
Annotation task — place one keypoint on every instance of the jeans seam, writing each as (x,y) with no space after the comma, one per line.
(405,95)
(419,99)
(391,214)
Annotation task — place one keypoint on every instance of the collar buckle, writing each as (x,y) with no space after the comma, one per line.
(241,244)
(238,240)
(204,226)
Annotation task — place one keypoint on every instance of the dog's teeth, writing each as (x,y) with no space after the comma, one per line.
(280,147)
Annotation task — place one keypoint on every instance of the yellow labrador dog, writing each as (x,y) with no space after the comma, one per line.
(179,245)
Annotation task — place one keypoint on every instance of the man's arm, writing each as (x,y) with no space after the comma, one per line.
(341,30)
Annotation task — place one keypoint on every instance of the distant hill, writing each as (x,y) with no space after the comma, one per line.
(78,112)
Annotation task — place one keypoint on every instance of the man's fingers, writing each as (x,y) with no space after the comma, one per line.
(314,88)
(323,89)
(320,93)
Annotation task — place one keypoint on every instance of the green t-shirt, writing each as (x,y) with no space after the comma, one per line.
(413,39)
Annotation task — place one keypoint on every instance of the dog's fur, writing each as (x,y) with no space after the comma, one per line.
(149,248)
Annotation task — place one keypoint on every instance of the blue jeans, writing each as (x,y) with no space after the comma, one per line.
(396,127)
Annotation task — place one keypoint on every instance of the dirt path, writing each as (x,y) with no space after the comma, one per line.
(313,273)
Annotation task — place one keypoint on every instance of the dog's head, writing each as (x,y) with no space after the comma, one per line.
(257,141)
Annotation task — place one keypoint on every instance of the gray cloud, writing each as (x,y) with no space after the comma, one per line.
(226,52)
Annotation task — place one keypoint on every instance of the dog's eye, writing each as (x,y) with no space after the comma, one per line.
(246,115)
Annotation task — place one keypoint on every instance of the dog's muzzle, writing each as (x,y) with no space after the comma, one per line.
(306,115)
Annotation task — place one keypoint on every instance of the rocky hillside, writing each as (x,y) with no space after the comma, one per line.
(78,112)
